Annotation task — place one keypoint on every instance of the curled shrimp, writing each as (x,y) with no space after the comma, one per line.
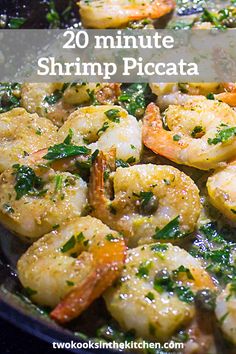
(70,267)
(149,296)
(21,133)
(182,93)
(146,199)
(105,127)
(95,128)
(35,199)
(118,13)
(56,101)
(201,133)
(191,88)
(226,312)
(221,190)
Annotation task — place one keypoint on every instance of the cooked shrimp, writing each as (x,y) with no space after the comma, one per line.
(105,127)
(56,101)
(177,98)
(191,88)
(229,95)
(221,189)
(34,199)
(46,100)
(22,133)
(118,13)
(226,312)
(202,133)
(182,93)
(155,293)
(146,199)
(70,267)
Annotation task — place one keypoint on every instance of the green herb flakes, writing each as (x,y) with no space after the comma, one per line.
(68,245)
(170,231)
(26,181)
(113,115)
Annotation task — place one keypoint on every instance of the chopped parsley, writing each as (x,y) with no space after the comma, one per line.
(58,183)
(106,175)
(80,237)
(38,131)
(121,163)
(143,270)
(197,132)
(9,96)
(56,95)
(111,238)
(184,294)
(170,231)
(165,282)
(70,283)
(135,98)
(148,202)
(68,245)
(131,160)
(29,292)
(210,96)
(183,87)
(145,197)
(222,136)
(217,251)
(53,16)
(185,270)
(104,127)
(161,247)
(27,182)
(16,22)
(113,115)
(69,137)
(92,96)
(65,149)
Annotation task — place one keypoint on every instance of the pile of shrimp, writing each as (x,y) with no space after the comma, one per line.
(119,231)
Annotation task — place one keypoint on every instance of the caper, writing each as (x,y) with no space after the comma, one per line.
(162,276)
(230,22)
(5,100)
(139,112)
(149,207)
(205,299)
(162,281)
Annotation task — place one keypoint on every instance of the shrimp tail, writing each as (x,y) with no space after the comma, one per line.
(97,191)
(108,268)
(227,97)
(156,138)
(101,192)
